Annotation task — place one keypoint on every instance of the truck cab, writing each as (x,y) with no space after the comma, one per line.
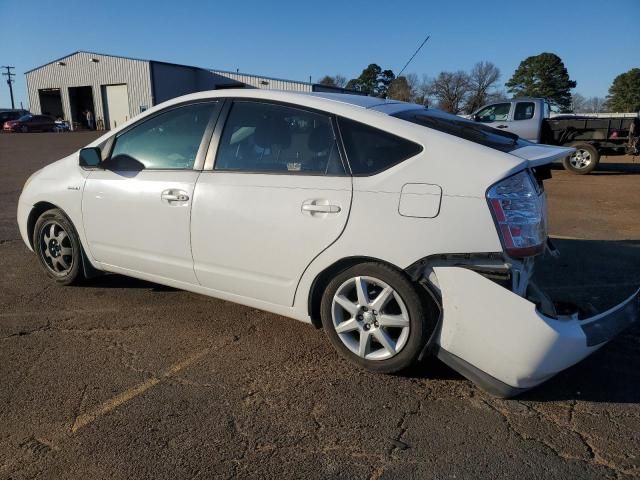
(522,116)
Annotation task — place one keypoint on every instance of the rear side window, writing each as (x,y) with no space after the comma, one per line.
(463,128)
(264,137)
(370,150)
(524,111)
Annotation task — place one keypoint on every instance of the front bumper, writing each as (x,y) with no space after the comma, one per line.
(502,342)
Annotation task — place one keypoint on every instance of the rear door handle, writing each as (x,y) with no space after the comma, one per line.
(174,196)
(502,126)
(313,207)
(321,208)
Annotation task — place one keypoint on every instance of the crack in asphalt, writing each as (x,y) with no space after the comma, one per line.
(50,327)
(23,333)
(595,457)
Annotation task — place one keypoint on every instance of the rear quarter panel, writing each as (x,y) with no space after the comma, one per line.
(463,224)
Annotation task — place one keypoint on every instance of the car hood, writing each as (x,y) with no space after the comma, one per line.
(537,155)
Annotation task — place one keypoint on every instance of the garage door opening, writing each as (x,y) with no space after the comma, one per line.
(115,99)
(51,102)
(81,100)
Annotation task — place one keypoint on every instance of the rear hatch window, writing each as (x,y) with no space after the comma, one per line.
(463,128)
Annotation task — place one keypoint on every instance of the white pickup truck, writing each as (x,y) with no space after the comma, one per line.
(531,119)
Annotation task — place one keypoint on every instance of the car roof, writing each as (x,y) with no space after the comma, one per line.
(312,99)
(363,101)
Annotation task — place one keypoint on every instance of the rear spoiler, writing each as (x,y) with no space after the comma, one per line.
(537,155)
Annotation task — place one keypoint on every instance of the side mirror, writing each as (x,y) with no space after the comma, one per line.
(90,157)
(475,117)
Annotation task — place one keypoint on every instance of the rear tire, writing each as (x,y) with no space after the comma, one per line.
(376,317)
(584,160)
(56,243)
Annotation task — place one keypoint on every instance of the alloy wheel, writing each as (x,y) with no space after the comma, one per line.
(580,159)
(56,248)
(370,318)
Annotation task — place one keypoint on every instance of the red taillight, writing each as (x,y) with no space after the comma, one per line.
(519,210)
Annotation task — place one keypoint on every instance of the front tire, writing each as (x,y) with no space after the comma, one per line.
(376,317)
(584,160)
(56,243)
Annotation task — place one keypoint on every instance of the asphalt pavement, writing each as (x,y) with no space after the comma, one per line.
(122,379)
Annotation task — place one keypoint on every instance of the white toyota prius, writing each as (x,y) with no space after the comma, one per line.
(400,230)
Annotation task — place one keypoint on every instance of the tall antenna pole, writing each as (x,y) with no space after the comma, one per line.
(414,55)
(8,74)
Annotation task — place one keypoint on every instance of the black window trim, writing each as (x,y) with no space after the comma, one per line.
(391,165)
(214,146)
(198,164)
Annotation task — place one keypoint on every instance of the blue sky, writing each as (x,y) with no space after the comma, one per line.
(597,40)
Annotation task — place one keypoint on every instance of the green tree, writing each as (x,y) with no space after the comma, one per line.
(624,93)
(545,76)
(373,81)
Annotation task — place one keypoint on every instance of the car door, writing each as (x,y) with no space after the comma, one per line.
(526,120)
(42,123)
(277,196)
(495,115)
(136,207)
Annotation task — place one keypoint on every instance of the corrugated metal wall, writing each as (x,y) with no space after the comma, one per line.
(81,71)
(257,81)
(170,81)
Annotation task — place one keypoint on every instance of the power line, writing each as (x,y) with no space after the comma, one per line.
(413,56)
(10,80)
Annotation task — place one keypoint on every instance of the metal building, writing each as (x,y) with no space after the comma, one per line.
(116,89)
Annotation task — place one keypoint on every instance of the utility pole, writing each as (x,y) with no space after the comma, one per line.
(8,74)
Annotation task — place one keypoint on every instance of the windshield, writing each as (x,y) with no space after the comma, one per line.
(463,128)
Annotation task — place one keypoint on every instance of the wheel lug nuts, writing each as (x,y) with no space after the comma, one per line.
(359,317)
(367,327)
(376,324)
(364,309)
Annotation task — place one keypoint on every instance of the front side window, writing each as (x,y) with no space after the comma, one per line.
(370,150)
(524,111)
(169,140)
(263,137)
(498,112)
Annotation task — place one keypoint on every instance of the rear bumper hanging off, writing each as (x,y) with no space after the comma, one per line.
(502,342)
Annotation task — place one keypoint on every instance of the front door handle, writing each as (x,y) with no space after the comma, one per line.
(502,126)
(174,196)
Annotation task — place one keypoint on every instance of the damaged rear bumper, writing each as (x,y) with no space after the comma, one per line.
(503,343)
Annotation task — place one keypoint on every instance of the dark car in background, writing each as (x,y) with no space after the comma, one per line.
(8,114)
(30,123)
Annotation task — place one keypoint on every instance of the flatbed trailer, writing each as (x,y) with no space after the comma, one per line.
(591,136)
